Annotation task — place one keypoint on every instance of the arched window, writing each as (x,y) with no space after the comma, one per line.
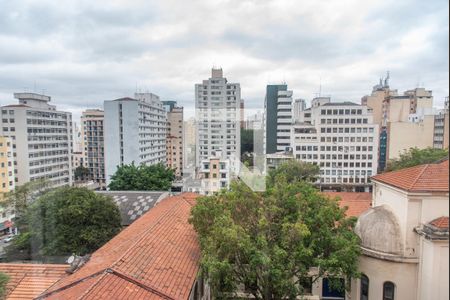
(364,287)
(388,291)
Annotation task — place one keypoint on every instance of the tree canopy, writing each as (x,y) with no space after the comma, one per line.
(81,173)
(270,241)
(415,156)
(142,178)
(64,221)
(246,141)
(294,171)
(3,281)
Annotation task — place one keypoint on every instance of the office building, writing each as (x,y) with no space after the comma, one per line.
(41,138)
(7,164)
(174,143)
(217,108)
(278,118)
(441,128)
(134,132)
(342,139)
(93,146)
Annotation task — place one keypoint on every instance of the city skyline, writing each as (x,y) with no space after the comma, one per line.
(82,54)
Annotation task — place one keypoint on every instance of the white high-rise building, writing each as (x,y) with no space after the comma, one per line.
(41,138)
(284,120)
(217,106)
(134,131)
(342,139)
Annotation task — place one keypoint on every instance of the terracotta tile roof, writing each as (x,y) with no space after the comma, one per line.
(27,281)
(441,223)
(156,257)
(423,178)
(356,203)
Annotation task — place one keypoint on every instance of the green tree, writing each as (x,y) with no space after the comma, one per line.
(64,221)
(294,171)
(81,173)
(4,278)
(246,141)
(22,196)
(415,156)
(142,178)
(270,241)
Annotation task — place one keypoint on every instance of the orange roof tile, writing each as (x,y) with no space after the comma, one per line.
(156,257)
(27,281)
(423,178)
(356,203)
(441,223)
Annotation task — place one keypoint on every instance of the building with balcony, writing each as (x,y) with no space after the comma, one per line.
(93,146)
(214,174)
(41,139)
(135,130)
(7,164)
(175,140)
(217,108)
(441,128)
(341,138)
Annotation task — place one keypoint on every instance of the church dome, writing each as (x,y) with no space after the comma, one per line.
(380,231)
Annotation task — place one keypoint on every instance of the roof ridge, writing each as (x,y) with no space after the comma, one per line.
(139,283)
(144,233)
(93,285)
(67,286)
(419,176)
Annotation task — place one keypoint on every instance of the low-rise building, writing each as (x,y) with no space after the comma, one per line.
(215,173)
(404,236)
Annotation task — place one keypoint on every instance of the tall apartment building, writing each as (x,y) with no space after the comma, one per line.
(217,107)
(93,146)
(342,139)
(7,163)
(41,137)
(441,128)
(174,142)
(403,120)
(278,118)
(134,131)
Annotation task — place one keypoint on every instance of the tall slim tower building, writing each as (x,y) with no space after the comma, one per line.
(93,146)
(175,133)
(217,106)
(278,118)
(41,139)
(135,131)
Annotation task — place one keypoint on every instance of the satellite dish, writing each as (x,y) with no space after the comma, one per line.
(70,259)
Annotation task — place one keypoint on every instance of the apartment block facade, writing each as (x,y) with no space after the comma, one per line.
(174,143)
(135,130)
(41,139)
(93,145)
(217,108)
(342,140)
(441,128)
(7,164)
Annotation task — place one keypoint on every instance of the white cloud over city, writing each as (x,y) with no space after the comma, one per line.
(84,52)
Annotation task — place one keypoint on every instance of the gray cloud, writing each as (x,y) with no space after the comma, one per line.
(83,52)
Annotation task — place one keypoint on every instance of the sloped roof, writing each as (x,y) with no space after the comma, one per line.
(134,204)
(422,178)
(27,281)
(441,223)
(156,257)
(357,203)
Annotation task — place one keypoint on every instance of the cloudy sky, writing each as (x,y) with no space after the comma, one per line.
(84,52)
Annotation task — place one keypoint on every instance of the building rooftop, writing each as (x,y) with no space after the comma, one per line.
(356,203)
(27,281)
(422,178)
(345,103)
(157,257)
(132,204)
(441,223)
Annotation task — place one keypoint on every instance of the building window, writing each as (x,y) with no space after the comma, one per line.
(364,287)
(388,291)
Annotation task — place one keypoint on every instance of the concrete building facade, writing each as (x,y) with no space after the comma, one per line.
(135,130)
(41,139)
(441,128)
(93,145)
(341,138)
(217,108)
(174,143)
(7,164)
(215,174)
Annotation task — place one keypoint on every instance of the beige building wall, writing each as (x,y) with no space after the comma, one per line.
(174,142)
(7,182)
(406,135)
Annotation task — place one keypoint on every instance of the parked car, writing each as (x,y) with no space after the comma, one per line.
(8,239)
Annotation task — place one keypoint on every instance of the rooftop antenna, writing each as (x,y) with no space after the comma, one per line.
(386,80)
